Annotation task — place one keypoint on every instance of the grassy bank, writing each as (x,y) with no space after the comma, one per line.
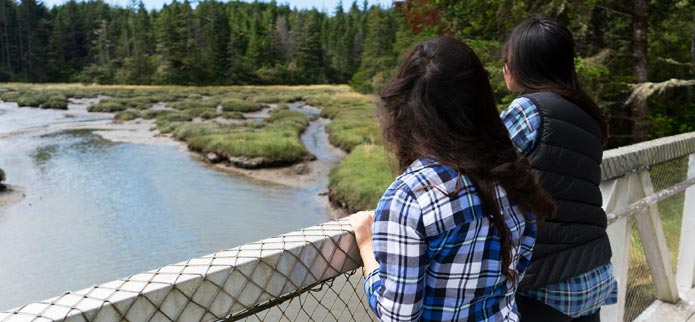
(361,178)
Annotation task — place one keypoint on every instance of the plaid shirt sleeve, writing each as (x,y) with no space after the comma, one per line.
(395,290)
(523,122)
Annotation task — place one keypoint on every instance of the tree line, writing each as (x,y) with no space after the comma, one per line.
(209,43)
(635,57)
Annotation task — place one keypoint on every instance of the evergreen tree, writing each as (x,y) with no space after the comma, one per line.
(308,60)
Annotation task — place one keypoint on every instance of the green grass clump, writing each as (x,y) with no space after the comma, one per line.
(238,105)
(200,111)
(209,114)
(278,144)
(128,115)
(108,106)
(271,98)
(167,127)
(186,131)
(188,105)
(58,102)
(283,116)
(9,96)
(347,133)
(138,102)
(229,115)
(31,100)
(173,116)
(353,119)
(361,178)
(153,114)
(117,104)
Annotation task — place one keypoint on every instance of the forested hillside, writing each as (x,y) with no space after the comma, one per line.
(209,43)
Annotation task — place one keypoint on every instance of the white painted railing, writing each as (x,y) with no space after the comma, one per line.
(310,274)
(628,195)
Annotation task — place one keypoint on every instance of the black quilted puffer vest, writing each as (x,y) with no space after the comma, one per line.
(567,159)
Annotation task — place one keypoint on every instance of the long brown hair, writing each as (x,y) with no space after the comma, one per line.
(539,55)
(440,105)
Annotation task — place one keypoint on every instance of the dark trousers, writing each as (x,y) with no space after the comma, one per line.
(535,311)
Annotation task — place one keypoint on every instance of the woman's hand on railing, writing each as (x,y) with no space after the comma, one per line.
(361,223)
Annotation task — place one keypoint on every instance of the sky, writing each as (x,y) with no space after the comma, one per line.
(323,5)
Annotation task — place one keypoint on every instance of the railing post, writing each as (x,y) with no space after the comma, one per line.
(686,253)
(615,196)
(654,243)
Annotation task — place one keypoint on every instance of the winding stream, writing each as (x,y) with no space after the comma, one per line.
(96,210)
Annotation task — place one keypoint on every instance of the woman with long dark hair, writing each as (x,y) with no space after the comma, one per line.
(562,132)
(454,232)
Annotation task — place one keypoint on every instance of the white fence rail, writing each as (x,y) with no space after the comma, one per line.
(308,275)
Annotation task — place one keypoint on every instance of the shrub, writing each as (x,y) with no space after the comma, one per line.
(2,176)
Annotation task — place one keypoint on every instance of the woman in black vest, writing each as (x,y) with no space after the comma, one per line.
(562,131)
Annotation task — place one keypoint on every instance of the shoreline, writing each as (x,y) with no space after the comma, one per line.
(11,195)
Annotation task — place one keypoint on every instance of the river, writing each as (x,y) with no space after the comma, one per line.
(97,210)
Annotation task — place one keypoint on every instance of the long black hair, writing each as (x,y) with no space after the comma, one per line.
(539,56)
(440,105)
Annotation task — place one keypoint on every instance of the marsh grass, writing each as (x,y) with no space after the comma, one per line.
(186,131)
(128,115)
(239,105)
(353,119)
(9,96)
(361,178)
(117,104)
(277,143)
(195,104)
(276,140)
(57,102)
(357,182)
(31,100)
(286,116)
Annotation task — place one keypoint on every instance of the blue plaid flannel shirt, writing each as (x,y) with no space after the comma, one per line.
(439,257)
(580,295)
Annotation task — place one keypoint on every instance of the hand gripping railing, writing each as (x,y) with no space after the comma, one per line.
(309,275)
